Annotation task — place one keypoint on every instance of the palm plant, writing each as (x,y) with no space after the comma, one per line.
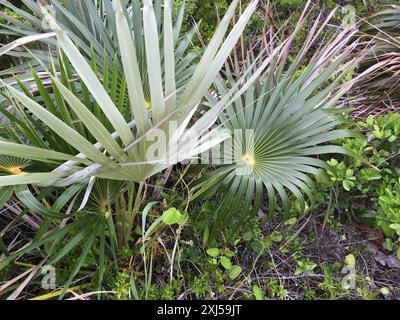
(290,115)
(64,125)
(166,104)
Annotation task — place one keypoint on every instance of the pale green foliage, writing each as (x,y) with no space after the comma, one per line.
(170,101)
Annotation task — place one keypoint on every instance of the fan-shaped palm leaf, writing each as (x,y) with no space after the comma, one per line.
(128,161)
(283,122)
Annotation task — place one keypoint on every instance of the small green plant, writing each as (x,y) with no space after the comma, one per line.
(223,258)
(339,172)
(305,267)
(388,213)
(373,178)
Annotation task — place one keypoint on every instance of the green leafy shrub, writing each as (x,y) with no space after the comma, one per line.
(375,180)
(388,202)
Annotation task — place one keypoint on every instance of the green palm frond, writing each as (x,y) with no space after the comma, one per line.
(290,118)
(122,155)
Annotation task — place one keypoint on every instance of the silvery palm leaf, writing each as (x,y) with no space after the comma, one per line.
(122,155)
(290,119)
